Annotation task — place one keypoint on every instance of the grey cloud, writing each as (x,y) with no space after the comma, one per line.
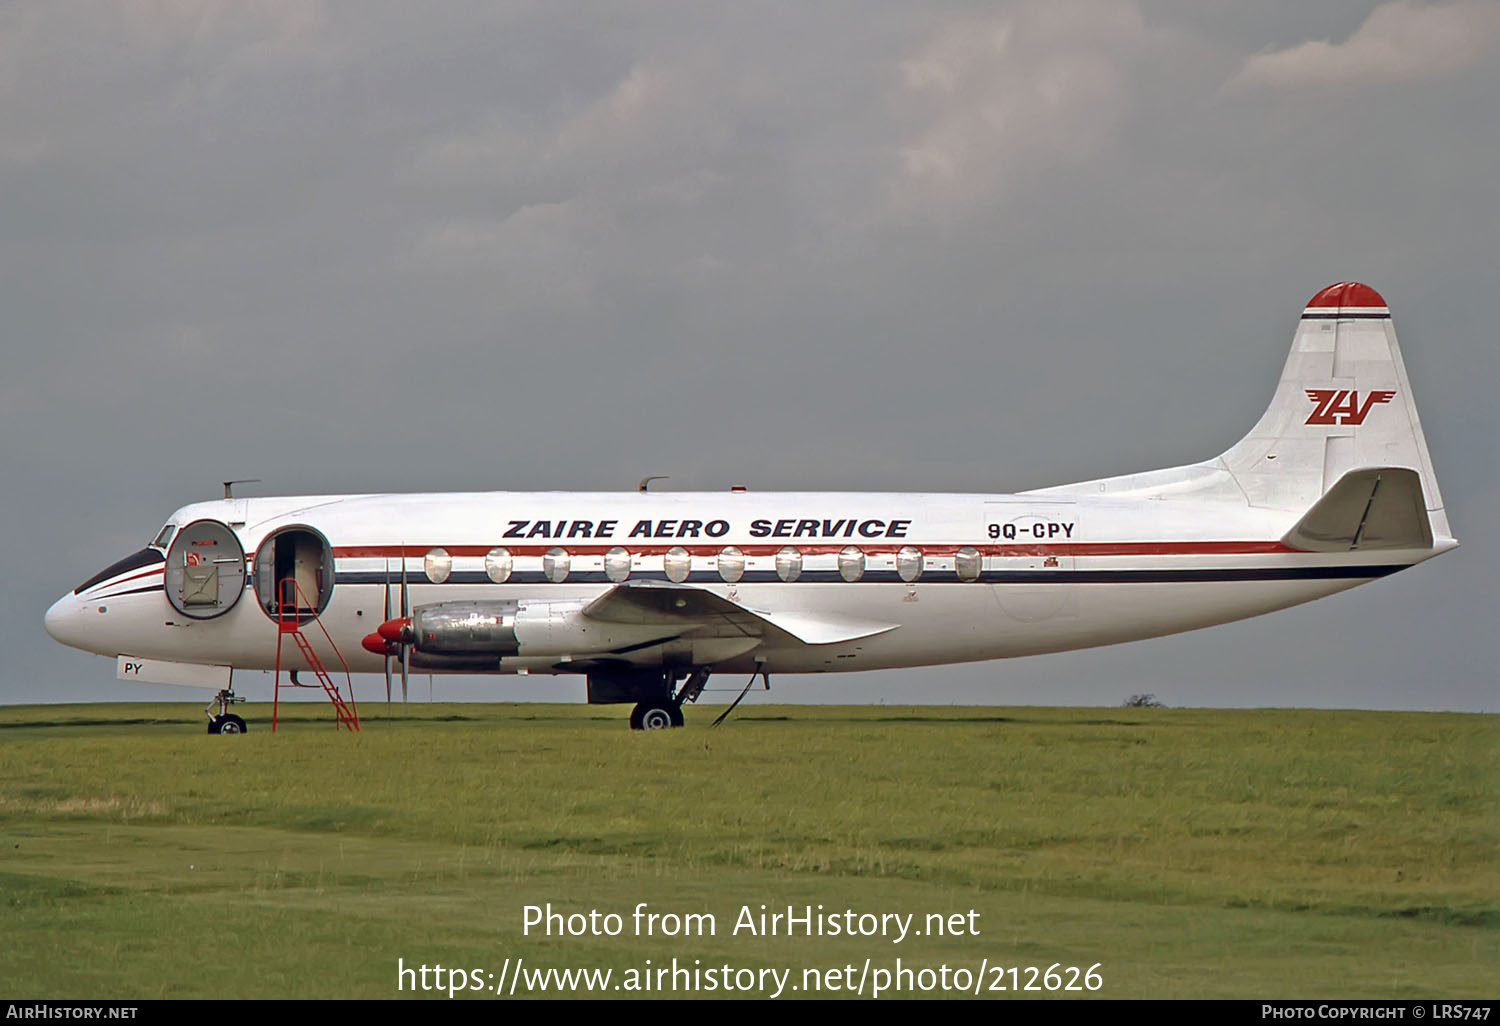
(1021,88)
(1402,41)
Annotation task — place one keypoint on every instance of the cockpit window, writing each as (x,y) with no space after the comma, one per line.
(165,538)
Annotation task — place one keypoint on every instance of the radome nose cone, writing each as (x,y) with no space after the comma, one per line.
(59,618)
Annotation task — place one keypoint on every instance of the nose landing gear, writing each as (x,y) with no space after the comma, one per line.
(224,722)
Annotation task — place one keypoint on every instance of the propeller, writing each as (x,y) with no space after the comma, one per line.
(383,619)
(394,636)
(405,619)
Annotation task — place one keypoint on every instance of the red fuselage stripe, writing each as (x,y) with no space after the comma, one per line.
(591,547)
(136,577)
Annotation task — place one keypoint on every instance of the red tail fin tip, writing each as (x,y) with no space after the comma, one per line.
(1346,293)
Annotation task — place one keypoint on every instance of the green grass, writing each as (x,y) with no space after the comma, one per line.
(1194,853)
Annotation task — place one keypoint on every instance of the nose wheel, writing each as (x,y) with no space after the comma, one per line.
(223,721)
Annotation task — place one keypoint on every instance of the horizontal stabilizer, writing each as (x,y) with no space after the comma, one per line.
(1373,508)
(683,606)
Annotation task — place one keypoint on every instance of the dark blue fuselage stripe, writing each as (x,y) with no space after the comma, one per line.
(1346,316)
(1273,573)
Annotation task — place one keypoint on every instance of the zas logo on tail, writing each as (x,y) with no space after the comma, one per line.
(1343,404)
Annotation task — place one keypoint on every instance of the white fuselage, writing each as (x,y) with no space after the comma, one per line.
(1052,573)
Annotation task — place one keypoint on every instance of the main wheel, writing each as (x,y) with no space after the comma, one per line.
(658,715)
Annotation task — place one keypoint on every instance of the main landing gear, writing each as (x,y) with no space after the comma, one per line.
(665,711)
(224,722)
(657,715)
(658,700)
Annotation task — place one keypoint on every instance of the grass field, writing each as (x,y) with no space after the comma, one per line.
(1192,853)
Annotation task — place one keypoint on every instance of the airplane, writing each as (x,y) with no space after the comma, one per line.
(646,594)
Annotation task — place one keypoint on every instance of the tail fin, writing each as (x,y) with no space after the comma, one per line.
(1343,403)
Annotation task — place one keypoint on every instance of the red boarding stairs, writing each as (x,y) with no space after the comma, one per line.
(290,610)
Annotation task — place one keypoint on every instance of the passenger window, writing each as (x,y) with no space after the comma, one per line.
(968,564)
(617,564)
(851,563)
(497,565)
(437,564)
(909,563)
(789,563)
(677,563)
(731,564)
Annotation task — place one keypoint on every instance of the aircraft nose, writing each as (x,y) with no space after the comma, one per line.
(62,620)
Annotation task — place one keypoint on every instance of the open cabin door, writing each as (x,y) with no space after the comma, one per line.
(294,573)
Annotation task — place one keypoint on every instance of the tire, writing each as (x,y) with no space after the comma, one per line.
(232,724)
(214,725)
(661,715)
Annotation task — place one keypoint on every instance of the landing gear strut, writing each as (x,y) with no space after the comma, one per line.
(693,686)
(224,722)
(665,711)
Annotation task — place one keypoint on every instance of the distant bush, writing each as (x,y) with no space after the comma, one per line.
(1146,701)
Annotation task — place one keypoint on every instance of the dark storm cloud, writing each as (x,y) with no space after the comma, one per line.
(370,246)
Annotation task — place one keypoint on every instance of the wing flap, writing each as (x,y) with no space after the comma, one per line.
(681,605)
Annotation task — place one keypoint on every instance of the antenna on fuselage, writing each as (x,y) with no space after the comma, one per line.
(229,485)
(645,485)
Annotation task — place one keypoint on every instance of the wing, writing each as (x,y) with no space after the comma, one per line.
(684,607)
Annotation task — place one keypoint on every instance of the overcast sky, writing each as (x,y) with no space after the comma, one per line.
(395,246)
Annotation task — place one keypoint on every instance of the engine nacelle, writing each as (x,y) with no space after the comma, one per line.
(511,627)
(466,628)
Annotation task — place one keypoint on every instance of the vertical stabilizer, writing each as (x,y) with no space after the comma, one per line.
(1343,402)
